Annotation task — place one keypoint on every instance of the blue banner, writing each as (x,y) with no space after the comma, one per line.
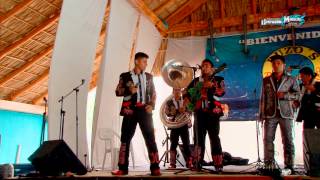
(247,66)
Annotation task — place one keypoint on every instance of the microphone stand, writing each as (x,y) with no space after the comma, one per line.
(44,117)
(195,121)
(191,67)
(258,165)
(63,112)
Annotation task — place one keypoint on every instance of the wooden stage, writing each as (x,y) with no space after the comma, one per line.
(230,173)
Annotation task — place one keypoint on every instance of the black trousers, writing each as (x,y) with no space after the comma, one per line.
(312,122)
(206,123)
(182,132)
(145,121)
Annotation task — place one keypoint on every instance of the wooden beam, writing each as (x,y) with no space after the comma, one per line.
(134,43)
(28,86)
(237,20)
(184,11)
(94,78)
(314,2)
(40,97)
(254,12)
(28,64)
(222,14)
(15,10)
(30,35)
(162,6)
(289,4)
(144,9)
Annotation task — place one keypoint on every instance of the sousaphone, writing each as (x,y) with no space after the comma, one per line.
(177,75)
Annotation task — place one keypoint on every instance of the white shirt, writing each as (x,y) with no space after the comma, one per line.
(135,77)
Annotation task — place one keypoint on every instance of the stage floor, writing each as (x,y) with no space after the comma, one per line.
(230,173)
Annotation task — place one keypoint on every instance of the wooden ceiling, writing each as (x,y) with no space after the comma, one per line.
(190,17)
(28,29)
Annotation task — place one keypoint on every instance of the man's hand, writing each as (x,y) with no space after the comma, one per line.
(296,104)
(219,91)
(217,110)
(149,109)
(310,87)
(182,110)
(208,84)
(189,124)
(280,95)
(133,89)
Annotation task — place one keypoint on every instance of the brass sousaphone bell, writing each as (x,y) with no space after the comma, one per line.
(177,75)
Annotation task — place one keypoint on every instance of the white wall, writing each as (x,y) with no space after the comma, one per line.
(120,30)
(72,60)
(21,107)
(122,22)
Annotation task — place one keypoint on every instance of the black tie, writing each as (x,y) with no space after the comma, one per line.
(140,88)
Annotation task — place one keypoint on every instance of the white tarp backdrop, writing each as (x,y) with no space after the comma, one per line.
(233,134)
(191,50)
(120,31)
(73,56)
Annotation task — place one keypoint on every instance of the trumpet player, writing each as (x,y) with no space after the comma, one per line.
(175,107)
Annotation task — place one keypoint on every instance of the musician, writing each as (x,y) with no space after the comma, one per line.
(208,111)
(175,107)
(310,103)
(279,90)
(138,92)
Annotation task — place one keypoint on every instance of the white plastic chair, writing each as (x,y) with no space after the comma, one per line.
(109,137)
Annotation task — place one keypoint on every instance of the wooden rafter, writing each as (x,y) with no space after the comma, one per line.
(40,97)
(15,10)
(28,64)
(222,14)
(28,86)
(143,8)
(254,12)
(184,11)
(289,4)
(37,57)
(159,61)
(134,43)
(162,6)
(237,20)
(30,35)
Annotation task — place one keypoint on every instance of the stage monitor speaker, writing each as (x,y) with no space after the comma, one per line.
(311,150)
(55,157)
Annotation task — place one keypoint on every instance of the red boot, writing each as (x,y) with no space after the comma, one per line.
(218,162)
(155,172)
(119,172)
(189,163)
(173,155)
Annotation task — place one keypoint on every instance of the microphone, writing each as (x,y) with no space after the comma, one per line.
(295,67)
(182,66)
(83,81)
(45,99)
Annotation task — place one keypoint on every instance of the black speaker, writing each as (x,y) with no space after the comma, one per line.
(311,150)
(55,157)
